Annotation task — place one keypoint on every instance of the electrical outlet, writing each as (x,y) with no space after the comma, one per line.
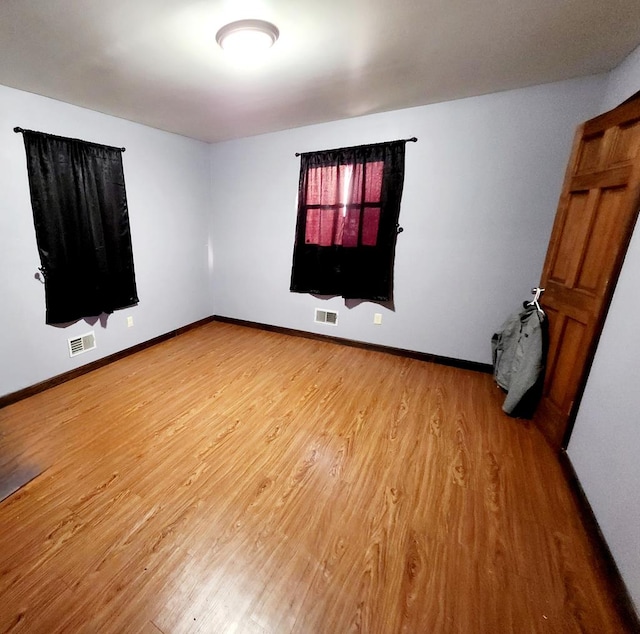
(129,321)
(377,319)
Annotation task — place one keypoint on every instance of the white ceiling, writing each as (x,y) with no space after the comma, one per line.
(157,62)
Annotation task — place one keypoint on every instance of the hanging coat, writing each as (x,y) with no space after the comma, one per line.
(518,355)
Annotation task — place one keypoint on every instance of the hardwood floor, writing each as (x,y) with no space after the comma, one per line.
(235,480)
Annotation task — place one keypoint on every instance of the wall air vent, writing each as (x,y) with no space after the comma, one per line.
(83,343)
(326,317)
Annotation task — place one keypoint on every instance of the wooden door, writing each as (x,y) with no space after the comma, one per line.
(596,214)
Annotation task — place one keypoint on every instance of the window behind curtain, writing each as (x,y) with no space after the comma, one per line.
(81,220)
(339,199)
(348,208)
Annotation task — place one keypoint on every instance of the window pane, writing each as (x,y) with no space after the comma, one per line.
(345,173)
(339,228)
(312,227)
(327,226)
(356,183)
(351,227)
(372,182)
(370,223)
(322,186)
(323,226)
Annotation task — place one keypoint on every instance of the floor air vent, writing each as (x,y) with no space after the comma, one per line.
(326,317)
(83,343)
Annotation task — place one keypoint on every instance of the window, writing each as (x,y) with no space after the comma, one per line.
(348,208)
(81,220)
(338,199)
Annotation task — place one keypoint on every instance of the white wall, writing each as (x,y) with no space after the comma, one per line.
(168,189)
(623,81)
(480,196)
(605,444)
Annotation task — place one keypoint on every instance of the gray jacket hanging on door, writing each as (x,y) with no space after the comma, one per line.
(518,355)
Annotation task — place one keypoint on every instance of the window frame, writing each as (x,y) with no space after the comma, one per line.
(360,270)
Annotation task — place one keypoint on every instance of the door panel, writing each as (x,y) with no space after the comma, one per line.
(566,259)
(572,334)
(627,143)
(590,153)
(607,228)
(596,214)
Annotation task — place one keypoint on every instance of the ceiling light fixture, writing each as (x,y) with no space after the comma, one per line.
(247,36)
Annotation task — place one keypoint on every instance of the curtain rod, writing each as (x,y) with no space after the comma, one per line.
(413,139)
(18,130)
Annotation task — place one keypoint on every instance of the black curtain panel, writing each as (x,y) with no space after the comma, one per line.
(81,220)
(348,208)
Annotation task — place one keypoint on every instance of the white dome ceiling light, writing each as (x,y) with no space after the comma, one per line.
(247,37)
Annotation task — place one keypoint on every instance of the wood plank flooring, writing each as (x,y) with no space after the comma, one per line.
(236,480)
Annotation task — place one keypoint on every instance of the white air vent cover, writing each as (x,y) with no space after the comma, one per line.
(83,343)
(326,317)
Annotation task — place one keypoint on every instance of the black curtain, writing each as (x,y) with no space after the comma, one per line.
(361,271)
(81,220)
